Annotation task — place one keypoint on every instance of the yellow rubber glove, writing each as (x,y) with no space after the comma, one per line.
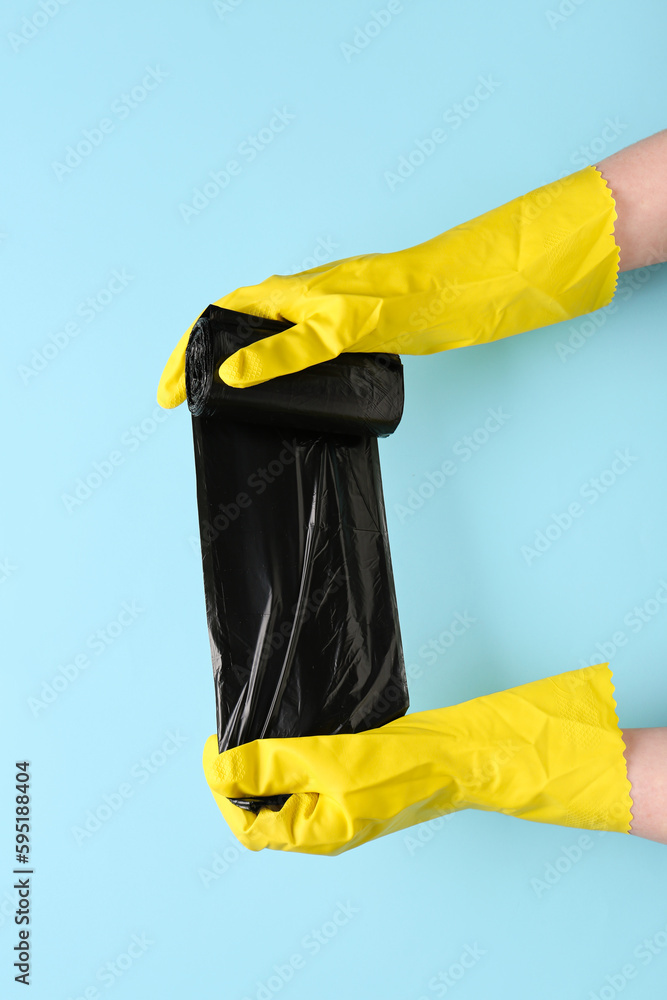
(549,751)
(549,255)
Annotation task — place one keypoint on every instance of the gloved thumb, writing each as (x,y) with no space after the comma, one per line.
(171,388)
(261,768)
(303,345)
(310,342)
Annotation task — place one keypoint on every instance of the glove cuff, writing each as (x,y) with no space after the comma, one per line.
(558,756)
(547,256)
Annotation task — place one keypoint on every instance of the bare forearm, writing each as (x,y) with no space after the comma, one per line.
(646,757)
(637,176)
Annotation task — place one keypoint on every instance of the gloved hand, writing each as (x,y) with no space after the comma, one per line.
(549,751)
(547,256)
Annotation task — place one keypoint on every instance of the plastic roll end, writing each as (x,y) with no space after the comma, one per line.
(199,363)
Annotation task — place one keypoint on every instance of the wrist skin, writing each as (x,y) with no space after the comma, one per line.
(637,176)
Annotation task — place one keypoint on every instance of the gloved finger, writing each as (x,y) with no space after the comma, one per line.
(276,296)
(261,768)
(313,823)
(308,823)
(171,387)
(323,335)
(257,300)
(264,299)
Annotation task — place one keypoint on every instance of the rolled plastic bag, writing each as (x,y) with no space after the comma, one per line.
(300,601)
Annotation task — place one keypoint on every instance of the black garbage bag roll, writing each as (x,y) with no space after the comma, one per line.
(300,601)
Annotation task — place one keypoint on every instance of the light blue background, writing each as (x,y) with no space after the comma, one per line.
(135,538)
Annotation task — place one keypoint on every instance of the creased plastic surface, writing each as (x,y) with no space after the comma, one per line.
(300,601)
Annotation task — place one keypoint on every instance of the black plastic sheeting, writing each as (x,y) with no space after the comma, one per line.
(300,602)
